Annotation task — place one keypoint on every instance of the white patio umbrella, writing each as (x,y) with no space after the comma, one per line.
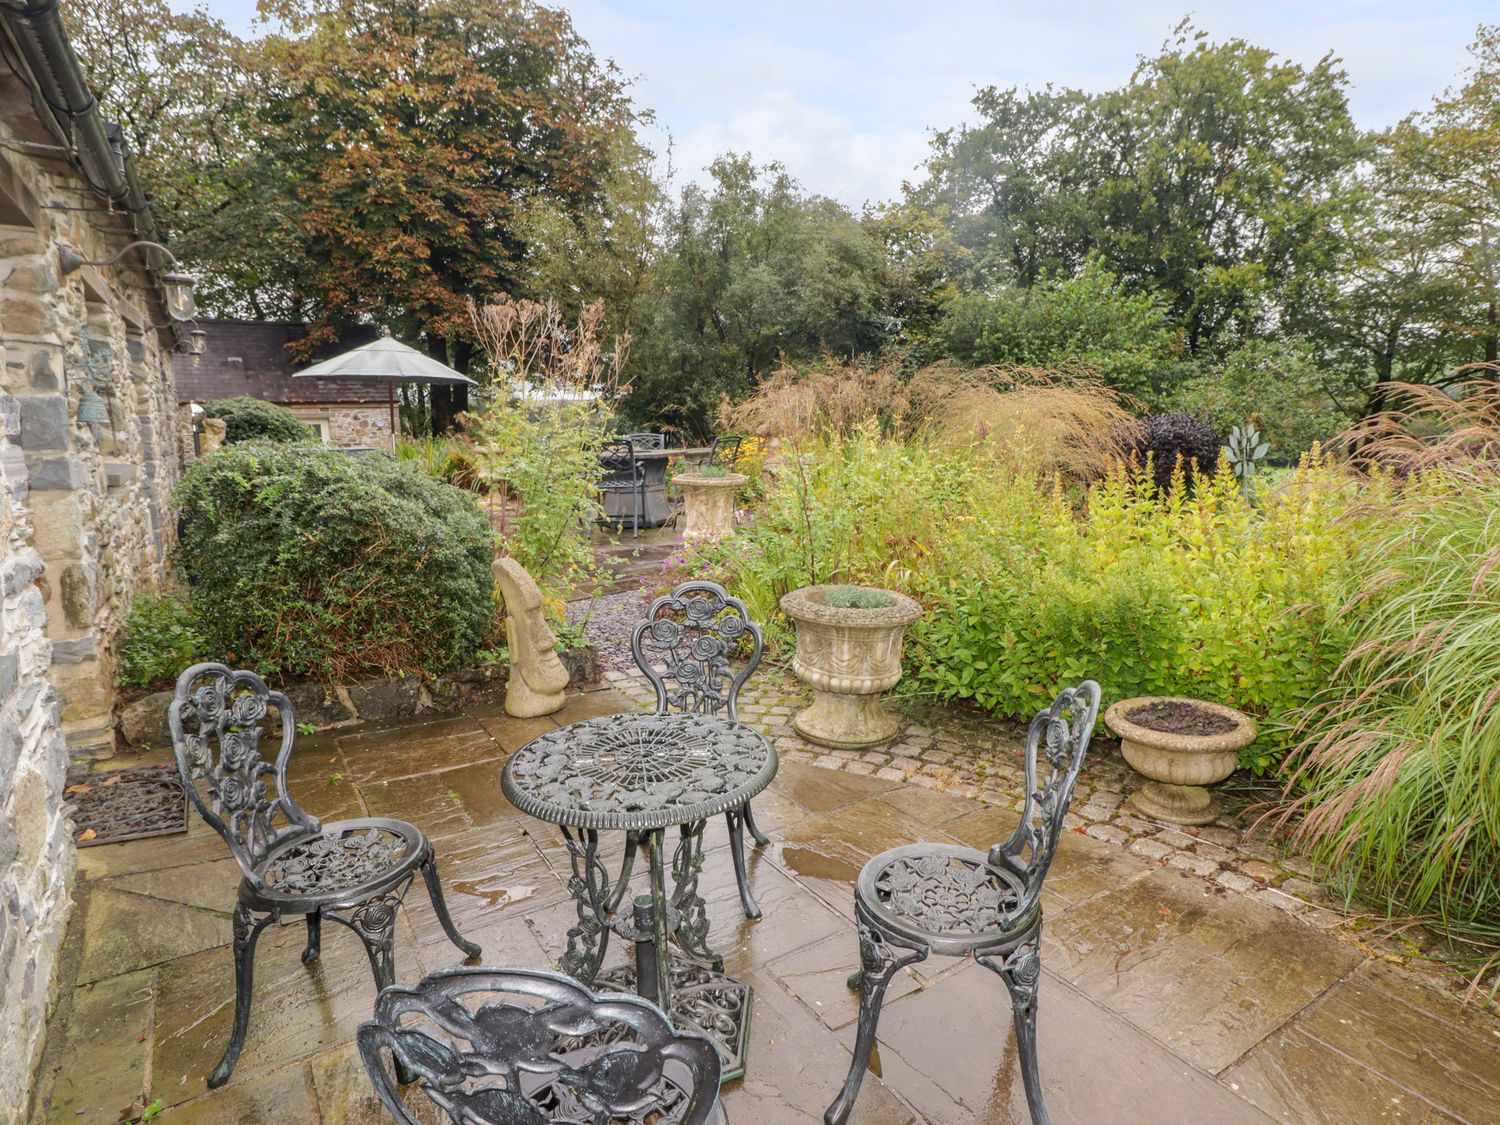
(386,359)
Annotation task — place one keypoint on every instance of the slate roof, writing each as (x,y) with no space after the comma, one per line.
(249,357)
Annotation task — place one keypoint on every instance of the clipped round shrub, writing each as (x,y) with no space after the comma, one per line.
(310,561)
(254,419)
(1166,437)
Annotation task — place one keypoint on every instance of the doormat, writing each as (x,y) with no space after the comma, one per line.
(126,804)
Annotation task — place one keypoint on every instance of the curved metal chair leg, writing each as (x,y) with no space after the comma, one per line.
(375,923)
(440,907)
(1021,970)
(736,820)
(314,937)
(247,930)
(761,839)
(878,963)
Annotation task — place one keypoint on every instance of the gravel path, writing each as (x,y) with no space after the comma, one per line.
(611,617)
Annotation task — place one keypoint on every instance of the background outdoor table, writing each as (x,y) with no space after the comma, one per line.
(657,508)
(642,773)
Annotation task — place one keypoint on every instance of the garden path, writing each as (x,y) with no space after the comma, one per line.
(1167,996)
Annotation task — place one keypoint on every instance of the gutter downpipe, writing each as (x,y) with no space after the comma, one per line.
(101,154)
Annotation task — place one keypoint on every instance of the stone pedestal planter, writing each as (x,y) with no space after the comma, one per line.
(1179,765)
(709,503)
(848,657)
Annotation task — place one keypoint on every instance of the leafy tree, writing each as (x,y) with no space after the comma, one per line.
(923,267)
(1217,177)
(606,253)
(182,88)
(1292,397)
(364,159)
(1414,298)
(753,271)
(1458,156)
(413,133)
(1090,319)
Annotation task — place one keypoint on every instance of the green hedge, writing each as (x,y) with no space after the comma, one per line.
(309,561)
(253,419)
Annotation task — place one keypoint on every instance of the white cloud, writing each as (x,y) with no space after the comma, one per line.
(845,94)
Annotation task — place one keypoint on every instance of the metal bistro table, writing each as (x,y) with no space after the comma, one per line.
(641,774)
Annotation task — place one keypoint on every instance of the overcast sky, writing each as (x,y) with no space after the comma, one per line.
(846,92)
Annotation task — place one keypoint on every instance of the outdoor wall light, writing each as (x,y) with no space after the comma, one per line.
(177,287)
(197,344)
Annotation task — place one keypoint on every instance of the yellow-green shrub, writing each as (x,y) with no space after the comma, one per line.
(1026,588)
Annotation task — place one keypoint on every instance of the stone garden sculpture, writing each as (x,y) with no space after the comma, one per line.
(537,676)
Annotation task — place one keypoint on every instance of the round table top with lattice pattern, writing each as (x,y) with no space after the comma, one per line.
(639,772)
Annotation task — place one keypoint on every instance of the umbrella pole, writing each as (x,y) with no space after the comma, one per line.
(390,386)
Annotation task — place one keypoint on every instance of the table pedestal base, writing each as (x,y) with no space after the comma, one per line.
(708,1002)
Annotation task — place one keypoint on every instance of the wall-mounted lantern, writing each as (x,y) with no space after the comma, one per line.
(177,287)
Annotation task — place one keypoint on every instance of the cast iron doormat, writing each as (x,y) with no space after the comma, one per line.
(126,804)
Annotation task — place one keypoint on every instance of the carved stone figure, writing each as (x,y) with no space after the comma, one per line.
(537,676)
(212,438)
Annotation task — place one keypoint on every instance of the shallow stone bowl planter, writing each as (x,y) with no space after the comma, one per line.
(848,657)
(1178,766)
(709,503)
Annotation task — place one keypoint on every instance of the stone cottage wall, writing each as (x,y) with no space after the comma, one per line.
(360,425)
(36,855)
(84,522)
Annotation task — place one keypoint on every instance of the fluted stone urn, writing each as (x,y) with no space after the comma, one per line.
(1179,765)
(709,502)
(848,656)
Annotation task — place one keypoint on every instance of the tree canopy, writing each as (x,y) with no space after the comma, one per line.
(1213,234)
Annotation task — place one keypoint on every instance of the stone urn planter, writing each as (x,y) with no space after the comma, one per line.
(709,502)
(1181,745)
(848,655)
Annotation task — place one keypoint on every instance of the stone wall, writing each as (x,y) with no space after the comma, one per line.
(360,425)
(36,854)
(84,522)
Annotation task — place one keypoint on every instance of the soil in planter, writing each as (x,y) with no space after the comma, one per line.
(1172,717)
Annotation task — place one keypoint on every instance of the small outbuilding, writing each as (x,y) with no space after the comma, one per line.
(248,357)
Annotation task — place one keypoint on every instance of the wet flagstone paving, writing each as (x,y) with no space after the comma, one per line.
(1167,996)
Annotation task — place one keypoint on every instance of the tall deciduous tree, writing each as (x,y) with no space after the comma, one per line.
(416,134)
(753,270)
(363,159)
(1217,177)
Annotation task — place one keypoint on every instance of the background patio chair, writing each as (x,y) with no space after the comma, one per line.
(647,441)
(935,898)
(526,1047)
(725,451)
(356,872)
(623,475)
(696,632)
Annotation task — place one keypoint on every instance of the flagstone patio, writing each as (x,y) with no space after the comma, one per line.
(1167,995)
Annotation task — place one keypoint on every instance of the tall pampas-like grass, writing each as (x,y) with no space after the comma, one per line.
(1059,422)
(1396,784)
(1425,425)
(1052,422)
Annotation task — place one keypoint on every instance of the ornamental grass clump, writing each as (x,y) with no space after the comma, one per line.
(306,561)
(856,597)
(1396,785)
